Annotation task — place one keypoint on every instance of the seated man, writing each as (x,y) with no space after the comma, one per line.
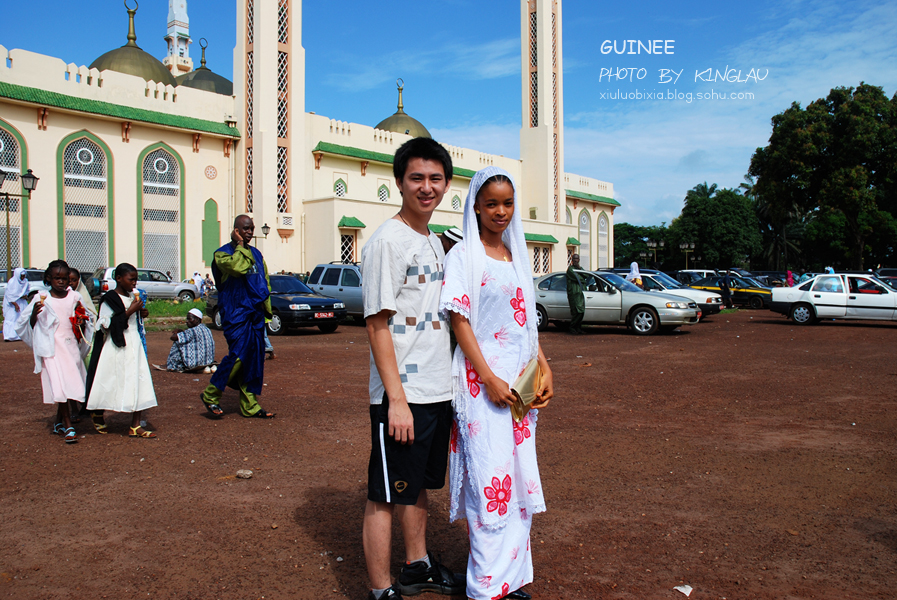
(193,348)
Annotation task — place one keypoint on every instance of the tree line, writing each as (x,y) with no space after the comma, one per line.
(823,192)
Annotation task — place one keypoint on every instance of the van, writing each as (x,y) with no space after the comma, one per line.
(339,280)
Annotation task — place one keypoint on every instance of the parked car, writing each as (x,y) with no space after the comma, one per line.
(836,296)
(890,280)
(35,282)
(157,285)
(743,291)
(293,305)
(339,280)
(689,276)
(611,300)
(886,272)
(659,282)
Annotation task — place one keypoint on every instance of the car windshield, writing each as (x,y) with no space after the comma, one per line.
(288,285)
(620,283)
(668,281)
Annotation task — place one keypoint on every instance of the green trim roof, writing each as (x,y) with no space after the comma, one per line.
(572,241)
(540,237)
(437,229)
(592,198)
(350,223)
(125,113)
(358,153)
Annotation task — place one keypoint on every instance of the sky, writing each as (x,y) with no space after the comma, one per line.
(634,120)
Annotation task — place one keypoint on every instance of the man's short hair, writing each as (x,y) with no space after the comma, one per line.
(238,218)
(421,147)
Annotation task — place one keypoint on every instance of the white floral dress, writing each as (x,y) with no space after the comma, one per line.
(494,474)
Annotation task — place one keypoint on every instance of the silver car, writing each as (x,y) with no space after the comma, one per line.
(157,285)
(611,300)
(339,280)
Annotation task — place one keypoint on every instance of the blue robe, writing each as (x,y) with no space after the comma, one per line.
(243,308)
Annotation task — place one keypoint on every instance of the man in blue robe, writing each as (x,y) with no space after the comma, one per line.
(241,277)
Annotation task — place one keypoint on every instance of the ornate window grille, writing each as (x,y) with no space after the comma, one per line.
(161,212)
(554,95)
(249,83)
(347,248)
(585,248)
(602,242)
(533,40)
(340,189)
(456,202)
(383,193)
(541,260)
(283,21)
(570,254)
(557,199)
(534,99)
(249,179)
(283,63)
(283,189)
(84,199)
(10,162)
(554,40)
(250,21)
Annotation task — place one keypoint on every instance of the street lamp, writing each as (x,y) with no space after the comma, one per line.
(644,255)
(653,245)
(265,231)
(29,182)
(687,247)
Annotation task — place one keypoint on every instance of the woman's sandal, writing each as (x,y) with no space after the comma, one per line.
(262,414)
(99,423)
(70,436)
(139,432)
(58,429)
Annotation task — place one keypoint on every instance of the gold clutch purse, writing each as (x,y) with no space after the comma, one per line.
(525,388)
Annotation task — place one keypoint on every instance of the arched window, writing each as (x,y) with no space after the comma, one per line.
(383,193)
(569,220)
(161,212)
(585,247)
(340,188)
(85,200)
(456,202)
(11,163)
(602,241)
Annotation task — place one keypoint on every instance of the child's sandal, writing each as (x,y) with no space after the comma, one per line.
(58,429)
(99,423)
(139,432)
(70,436)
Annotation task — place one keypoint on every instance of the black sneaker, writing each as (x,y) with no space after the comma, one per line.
(391,593)
(417,577)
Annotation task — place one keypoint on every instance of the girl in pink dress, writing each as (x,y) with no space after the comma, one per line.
(55,326)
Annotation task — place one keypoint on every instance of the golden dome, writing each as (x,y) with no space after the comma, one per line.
(132,60)
(204,79)
(401,122)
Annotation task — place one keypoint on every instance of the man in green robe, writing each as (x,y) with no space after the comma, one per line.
(575,297)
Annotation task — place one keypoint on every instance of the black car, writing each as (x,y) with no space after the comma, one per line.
(293,305)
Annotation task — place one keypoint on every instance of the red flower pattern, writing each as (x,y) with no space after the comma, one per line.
(473,379)
(519,307)
(501,336)
(505,590)
(498,495)
(521,430)
(464,302)
(453,441)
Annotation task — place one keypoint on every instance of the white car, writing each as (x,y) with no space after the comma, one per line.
(708,302)
(836,296)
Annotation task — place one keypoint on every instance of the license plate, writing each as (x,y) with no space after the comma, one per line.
(327,315)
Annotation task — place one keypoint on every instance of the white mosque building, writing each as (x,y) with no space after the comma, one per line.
(148,161)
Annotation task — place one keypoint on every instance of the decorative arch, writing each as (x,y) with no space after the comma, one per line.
(603,237)
(569,217)
(340,188)
(20,164)
(382,193)
(87,214)
(211,231)
(154,190)
(456,202)
(584,227)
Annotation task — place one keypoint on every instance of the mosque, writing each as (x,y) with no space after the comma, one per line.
(196,149)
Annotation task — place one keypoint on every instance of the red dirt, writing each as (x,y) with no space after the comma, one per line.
(744,456)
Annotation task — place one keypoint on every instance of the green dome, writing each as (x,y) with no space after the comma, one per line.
(401,122)
(132,60)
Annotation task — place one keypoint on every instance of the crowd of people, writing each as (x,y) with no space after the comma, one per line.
(467,407)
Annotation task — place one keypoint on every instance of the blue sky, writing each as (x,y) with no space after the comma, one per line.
(460,60)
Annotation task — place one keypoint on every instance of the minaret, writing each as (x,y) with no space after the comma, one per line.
(178,38)
(542,130)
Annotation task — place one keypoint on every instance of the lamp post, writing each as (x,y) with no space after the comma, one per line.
(653,246)
(687,247)
(265,231)
(29,182)
(644,256)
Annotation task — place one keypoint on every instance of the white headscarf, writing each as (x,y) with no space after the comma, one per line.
(633,272)
(16,288)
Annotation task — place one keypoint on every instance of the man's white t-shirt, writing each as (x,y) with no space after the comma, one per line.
(402,273)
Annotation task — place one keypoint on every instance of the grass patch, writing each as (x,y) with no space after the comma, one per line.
(727,311)
(173,308)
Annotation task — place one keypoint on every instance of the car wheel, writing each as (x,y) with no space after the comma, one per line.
(541,318)
(275,325)
(644,321)
(756,302)
(216,319)
(328,327)
(803,314)
(186,296)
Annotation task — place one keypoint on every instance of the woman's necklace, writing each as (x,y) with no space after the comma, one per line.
(500,248)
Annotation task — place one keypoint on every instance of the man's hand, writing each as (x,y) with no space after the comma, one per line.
(174,336)
(236,238)
(401,421)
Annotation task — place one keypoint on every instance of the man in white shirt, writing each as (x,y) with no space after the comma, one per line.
(410,383)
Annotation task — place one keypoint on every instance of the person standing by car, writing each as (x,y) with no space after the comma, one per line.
(575,297)
(244,297)
(14,300)
(725,290)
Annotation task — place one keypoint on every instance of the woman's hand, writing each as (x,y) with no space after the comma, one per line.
(546,391)
(499,392)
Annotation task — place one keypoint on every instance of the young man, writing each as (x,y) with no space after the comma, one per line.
(410,384)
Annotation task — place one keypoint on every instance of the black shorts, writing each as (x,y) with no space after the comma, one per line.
(398,472)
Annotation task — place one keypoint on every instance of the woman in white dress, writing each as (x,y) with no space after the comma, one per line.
(14,300)
(488,295)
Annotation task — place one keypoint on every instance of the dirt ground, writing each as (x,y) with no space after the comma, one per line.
(743,456)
